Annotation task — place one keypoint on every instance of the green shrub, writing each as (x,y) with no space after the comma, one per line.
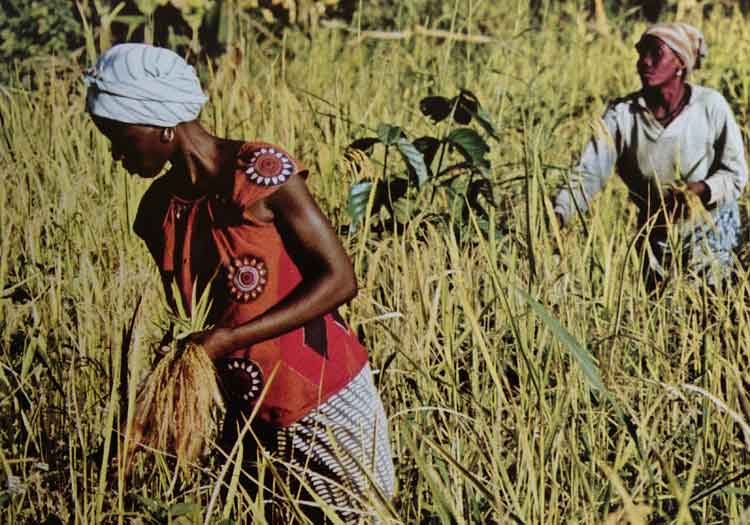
(33,29)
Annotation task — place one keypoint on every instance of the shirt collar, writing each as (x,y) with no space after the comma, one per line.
(640,101)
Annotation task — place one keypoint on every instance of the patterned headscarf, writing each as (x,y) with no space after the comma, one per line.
(142,84)
(685,40)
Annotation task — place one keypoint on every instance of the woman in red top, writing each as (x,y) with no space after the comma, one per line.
(237,216)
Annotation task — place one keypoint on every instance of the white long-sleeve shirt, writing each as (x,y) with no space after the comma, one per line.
(703,143)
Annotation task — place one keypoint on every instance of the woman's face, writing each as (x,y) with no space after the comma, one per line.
(139,148)
(657,63)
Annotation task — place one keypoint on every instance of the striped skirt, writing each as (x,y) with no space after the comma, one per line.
(340,452)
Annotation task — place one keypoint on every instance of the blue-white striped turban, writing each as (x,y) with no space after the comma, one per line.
(142,84)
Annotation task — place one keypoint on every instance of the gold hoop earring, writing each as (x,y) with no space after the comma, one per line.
(167,135)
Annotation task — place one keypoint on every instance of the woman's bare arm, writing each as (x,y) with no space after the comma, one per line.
(327,274)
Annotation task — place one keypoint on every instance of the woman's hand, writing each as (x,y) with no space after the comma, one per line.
(676,200)
(216,342)
(675,205)
(701,189)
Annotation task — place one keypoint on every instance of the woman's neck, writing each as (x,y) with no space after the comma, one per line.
(201,160)
(668,100)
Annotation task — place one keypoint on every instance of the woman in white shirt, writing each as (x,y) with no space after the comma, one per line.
(670,133)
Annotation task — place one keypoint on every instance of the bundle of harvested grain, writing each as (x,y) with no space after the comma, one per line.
(180,403)
(178,409)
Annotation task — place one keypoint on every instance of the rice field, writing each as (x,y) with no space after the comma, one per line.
(527,376)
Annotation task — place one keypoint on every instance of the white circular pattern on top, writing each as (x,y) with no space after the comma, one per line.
(252,377)
(247,278)
(269,167)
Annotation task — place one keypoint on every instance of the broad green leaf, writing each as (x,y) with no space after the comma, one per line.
(428,146)
(436,108)
(414,159)
(585,360)
(359,196)
(484,120)
(388,134)
(386,194)
(466,106)
(472,146)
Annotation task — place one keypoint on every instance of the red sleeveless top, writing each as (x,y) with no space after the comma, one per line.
(217,236)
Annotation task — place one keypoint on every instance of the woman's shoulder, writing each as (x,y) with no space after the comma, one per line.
(267,164)
(619,112)
(708,97)
(262,169)
(626,104)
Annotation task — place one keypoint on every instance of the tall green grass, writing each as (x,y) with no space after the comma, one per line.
(493,418)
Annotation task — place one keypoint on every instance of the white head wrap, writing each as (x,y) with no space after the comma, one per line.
(142,84)
(684,39)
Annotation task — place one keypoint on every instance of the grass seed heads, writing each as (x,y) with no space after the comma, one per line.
(177,410)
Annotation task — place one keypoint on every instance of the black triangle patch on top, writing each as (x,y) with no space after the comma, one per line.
(316,336)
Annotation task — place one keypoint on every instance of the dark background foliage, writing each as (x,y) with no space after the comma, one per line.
(31,29)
